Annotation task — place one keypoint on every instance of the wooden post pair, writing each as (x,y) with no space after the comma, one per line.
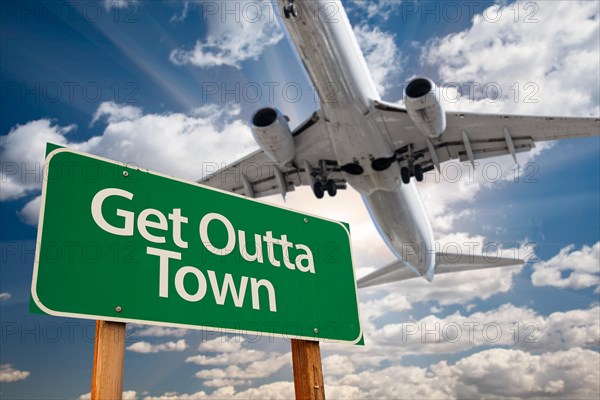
(109,355)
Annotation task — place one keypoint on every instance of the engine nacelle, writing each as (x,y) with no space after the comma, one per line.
(421,98)
(272,132)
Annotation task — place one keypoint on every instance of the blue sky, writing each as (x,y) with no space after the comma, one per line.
(140,81)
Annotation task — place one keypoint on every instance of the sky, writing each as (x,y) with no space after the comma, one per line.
(171,86)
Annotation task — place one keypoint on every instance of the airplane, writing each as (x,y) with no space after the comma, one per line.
(378,148)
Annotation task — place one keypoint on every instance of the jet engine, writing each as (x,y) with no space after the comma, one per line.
(272,132)
(421,98)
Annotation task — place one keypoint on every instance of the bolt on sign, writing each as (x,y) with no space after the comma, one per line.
(124,244)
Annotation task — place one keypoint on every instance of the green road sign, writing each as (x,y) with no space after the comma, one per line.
(124,244)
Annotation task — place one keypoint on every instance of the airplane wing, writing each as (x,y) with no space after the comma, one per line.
(256,175)
(444,263)
(474,136)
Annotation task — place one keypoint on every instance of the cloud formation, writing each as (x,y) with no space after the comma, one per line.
(497,50)
(571,268)
(256,369)
(493,374)
(507,325)
(159,331)
(183,145)
(118,4)
(238,31)
(9,374)
(146,348)
(369,9)
(381,53)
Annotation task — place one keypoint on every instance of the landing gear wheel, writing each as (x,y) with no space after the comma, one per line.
(405,174)
(290,11)
(419,173)
(331,188)
(318,190)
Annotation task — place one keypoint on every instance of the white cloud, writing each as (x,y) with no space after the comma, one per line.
(570,268)
(110,4)
(368,9)
(393,302)
(31,212)
(160,331)
(242,356)
(222,344)
(275,390)
(337,365)
(233,37)
(5,296)
(552,58)
(182,15)
(22,154)
(381,53)
(507,325)
(563,330)
(495,374)
(257,369)
(177,142)
(146,348)
(224,382)
(501,373)
(116,112)
(9,374)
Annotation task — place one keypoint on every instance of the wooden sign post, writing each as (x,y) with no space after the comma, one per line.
(308,371)
(109,354)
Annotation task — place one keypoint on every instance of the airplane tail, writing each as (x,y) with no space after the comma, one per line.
(444,263)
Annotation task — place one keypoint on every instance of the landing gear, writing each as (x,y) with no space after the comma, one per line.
(318,190)
(411,167)
(324,178)
(418,171)
(331,188)
(290,10)
(405,174)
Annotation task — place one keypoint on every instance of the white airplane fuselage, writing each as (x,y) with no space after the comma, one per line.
(325,41)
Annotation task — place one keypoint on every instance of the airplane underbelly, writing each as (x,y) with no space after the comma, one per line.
(359,141)
(345,87)
(403,224)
